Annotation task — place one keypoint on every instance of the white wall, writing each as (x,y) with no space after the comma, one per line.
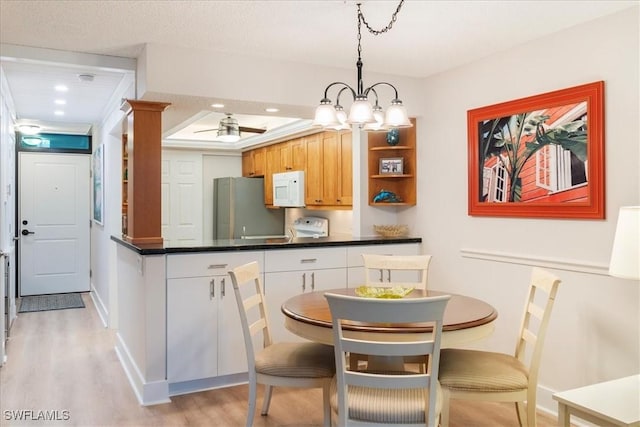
(103,249)
(7,211)
(595,328)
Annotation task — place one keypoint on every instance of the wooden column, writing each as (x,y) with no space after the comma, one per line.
(142,139)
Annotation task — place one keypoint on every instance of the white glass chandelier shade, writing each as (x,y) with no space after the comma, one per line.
(625,254)
(342,119)
(396,116)
(326,115)
(361,112)
(378,125)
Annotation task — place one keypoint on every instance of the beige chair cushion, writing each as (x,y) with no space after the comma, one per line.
(473,370)
(386,406)
(296,360)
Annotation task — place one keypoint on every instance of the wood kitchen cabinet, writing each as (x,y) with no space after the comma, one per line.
(329,176)
(293,155)
(204,334)
(326,158)
(282,157)
(272,160)
(402,184)
(254,162)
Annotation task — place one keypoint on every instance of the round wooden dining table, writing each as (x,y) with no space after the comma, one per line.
(466,319)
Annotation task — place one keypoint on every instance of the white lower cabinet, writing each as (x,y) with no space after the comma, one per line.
(295,271)
(204,335)
(355,265)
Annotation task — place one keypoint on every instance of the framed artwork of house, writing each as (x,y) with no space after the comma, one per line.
(541,156)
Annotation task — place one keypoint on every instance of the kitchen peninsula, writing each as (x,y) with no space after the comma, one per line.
(178,322)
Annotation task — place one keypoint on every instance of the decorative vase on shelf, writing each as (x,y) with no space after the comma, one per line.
(393,137)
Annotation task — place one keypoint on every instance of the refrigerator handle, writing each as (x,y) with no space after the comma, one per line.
(304,281)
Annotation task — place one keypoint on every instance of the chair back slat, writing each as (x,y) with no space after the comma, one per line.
(417,263)
(392,349)
(535,311)
(386,381)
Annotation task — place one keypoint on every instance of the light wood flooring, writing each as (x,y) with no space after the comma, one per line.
(65,360)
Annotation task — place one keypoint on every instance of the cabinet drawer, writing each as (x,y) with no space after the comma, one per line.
(305,259)
(209,263)
(354,253)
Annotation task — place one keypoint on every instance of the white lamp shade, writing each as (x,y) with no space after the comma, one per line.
(397,117)
(625,255)
(361,112)
(326,116)
(378,125)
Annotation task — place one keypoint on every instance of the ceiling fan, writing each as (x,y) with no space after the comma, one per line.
(229,129)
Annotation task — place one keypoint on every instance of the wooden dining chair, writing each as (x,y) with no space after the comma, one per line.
(403,264)
(401,267)
(499,377)
(308,365)
(385,397)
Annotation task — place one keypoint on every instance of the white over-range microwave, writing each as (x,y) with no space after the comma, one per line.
(288,189)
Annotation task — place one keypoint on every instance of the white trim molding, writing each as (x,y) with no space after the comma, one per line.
(537,261)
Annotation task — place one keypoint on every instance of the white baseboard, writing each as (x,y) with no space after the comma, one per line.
(100,307)
(147,393)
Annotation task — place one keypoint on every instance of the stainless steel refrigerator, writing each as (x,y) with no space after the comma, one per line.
(239,210)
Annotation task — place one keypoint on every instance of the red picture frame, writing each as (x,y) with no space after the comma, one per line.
(540,156)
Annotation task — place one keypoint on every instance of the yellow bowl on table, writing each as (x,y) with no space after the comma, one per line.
(382,292)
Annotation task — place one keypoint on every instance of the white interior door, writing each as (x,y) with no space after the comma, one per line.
(54,223)
(181,198)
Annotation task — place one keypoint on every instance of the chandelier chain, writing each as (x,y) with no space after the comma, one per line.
(361,20)
(373,31)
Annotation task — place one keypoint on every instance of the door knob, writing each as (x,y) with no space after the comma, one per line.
(27,232)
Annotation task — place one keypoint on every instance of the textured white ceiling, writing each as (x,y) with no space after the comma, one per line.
(428,37)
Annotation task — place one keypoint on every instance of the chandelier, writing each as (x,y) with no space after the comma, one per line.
(368,117)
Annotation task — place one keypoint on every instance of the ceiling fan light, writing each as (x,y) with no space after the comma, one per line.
(228,130)
(361,111)
(326,115)
(228,138)
(396,116)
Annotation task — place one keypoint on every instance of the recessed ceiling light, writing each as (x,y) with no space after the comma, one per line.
(58,113)
(86,77)
(61,88)
(217,105)
(271,110)
(60,102)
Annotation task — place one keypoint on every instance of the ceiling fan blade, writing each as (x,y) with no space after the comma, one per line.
(252,130)
(242,129)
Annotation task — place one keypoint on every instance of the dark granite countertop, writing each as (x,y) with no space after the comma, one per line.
(263,244)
